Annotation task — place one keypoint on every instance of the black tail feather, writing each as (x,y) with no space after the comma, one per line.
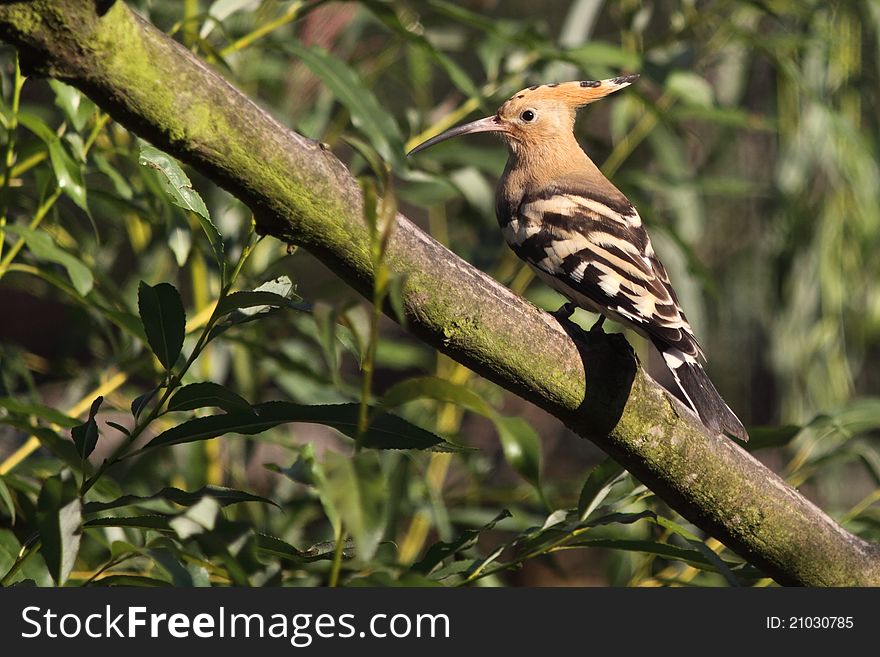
(702,397)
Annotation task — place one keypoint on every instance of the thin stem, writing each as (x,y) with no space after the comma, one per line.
(336,565)
(121,452)
(292,13)
(26,553)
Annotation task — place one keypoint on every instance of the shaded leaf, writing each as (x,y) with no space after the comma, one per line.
(223,496)
(164,320)
(357,490)
(259,300)
(367,115)
(120,184)
(438,552)
(85,436)
(59,515)
(140,402)
(385,432)
(21,407)
(205,394)
(6,498)
(131,580)
(153,521)
(598,485)
(522,448)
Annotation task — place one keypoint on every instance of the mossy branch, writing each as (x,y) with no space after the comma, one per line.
(302,194)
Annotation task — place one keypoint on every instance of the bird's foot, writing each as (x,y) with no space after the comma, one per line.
(597,327)
(565,311)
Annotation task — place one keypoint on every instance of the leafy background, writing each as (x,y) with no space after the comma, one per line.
(142,317)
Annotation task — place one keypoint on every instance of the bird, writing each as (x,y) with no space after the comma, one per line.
(584,238)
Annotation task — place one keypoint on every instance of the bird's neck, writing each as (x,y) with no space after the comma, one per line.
(534,167)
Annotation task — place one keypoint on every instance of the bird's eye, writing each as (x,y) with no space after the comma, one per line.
(528,116)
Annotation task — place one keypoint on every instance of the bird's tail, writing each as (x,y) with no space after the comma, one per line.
(701,395)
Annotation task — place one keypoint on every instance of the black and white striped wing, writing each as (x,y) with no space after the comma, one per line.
(596,252)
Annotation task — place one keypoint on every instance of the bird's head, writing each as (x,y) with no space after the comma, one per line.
(537,115)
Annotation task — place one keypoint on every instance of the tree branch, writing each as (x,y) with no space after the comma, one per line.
(302,194)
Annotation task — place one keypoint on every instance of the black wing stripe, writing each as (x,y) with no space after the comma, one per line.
(597,247)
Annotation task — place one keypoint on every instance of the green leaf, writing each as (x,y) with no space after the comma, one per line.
(153,521)
(690,556)
(179,237)
(220,10)
(42,246)
(67,171)
(695,542)
(206,394)
(357,489)
(85,436)
(385,432)
(441,551)
(223,496)
(75,105)
(691,88)
(367,115)
(120,184)
(277,548)
(325,321)
(429,387)
(139,403)
(175,182)
(522,448)
(597,486)
(6,498)
(600,53)
(164,320)
(272,294)
(200,517)
(131,580)
(385,580)
(20,407)
(389,16)
(59,515)
(59,446)
(765,437)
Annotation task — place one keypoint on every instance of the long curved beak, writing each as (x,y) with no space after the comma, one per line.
(489,124)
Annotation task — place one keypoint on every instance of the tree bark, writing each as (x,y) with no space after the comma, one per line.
(302,194)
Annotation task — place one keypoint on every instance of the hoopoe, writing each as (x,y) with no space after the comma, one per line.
(584,238)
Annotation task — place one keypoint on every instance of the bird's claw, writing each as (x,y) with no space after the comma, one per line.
(564,312)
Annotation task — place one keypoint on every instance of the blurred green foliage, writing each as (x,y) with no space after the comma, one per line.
(142,317)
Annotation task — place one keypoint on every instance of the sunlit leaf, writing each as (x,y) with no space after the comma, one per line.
(40,243)
(175,182)
(75,105)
